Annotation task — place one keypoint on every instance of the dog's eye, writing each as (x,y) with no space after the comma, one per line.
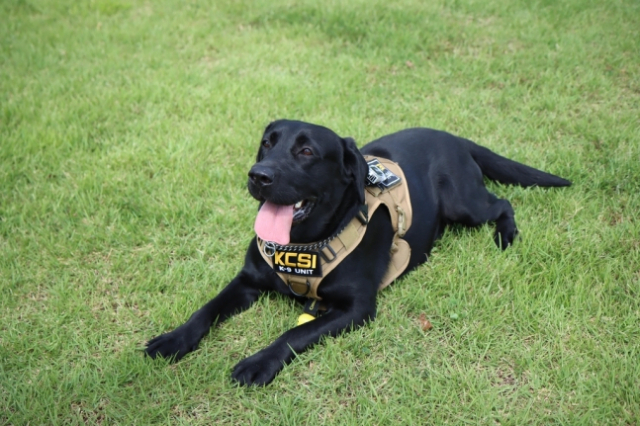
(306,151)
(266,143)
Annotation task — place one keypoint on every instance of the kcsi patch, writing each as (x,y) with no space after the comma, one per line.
(304,263)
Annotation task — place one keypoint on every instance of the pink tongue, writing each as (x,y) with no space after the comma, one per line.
(273,223)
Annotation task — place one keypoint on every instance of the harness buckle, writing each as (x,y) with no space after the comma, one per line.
(363,214)
(325,257)
(312,307)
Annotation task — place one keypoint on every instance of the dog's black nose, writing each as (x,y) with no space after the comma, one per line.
(261,175)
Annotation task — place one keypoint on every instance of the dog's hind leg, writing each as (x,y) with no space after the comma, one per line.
(501,212)
(474,205)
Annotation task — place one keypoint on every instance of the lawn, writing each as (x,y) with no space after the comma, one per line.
(126,132)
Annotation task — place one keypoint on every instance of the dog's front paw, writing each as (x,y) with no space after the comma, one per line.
(259,369)
(175,345)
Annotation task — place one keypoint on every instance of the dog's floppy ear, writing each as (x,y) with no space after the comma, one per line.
(355,167)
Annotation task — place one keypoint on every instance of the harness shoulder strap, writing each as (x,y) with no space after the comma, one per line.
(398,203)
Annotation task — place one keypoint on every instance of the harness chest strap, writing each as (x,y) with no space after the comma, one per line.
(397,201)
(330,256)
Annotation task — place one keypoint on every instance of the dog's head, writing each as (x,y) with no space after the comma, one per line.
(310,172)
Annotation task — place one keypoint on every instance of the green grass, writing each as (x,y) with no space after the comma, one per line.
(127,129)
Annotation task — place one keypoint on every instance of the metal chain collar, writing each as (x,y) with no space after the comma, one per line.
(270,247)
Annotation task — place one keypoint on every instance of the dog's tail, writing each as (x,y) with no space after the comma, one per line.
(503,170)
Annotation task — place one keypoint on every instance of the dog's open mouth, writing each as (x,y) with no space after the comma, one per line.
(274,221)
(301,210)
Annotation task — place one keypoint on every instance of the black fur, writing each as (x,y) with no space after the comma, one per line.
(301,161)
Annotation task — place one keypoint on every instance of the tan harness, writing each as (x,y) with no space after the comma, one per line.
(331,253)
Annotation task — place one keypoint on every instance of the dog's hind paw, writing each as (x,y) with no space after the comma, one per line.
(504,238)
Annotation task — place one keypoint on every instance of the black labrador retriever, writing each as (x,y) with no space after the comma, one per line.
(310,183)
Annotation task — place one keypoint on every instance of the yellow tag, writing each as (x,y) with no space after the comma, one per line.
(305,318)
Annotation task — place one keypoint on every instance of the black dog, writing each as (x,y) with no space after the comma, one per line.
(319,178)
